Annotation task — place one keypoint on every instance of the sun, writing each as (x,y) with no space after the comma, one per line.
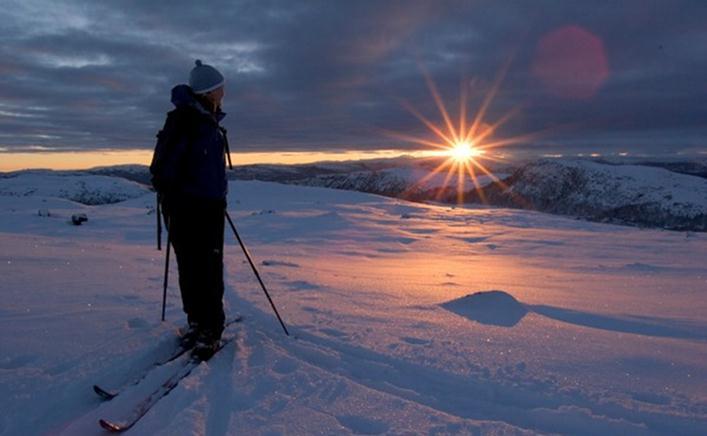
(463,151)
(465,145)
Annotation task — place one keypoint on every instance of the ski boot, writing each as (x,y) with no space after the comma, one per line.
(207,343)
(188,336)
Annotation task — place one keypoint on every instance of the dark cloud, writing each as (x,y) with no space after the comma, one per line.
(322,75)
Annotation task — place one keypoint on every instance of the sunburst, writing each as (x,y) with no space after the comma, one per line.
(463,151)
(465,144)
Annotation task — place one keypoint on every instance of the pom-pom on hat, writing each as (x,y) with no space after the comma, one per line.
(204,78)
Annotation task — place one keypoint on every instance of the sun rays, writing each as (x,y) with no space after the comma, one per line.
(465,143)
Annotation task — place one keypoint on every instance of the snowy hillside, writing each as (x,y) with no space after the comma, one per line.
(632,194)
(408,183)
(406,318)
(81,188)
(647,195)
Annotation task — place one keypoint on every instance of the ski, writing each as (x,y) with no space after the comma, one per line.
(165,388)
(108,395)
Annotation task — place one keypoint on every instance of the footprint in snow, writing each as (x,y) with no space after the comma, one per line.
(285,366)
(423,231)
(311,309)
(271,262)
(333,332)
(133,297)
(651,398)
(17,362)
(476,239)
(390,250)
(331,393)
(415,341)
(138,323)
(301,285)
(362,425)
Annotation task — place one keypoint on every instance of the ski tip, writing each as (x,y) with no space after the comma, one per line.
(111,426)
(103,393)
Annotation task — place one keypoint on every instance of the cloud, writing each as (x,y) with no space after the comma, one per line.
(321,75)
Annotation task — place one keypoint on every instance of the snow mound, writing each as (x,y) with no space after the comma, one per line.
(81,188)
(497,308)
(628,194)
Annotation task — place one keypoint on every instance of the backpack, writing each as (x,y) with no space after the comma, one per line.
(166,173)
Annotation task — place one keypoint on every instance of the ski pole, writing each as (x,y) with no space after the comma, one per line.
(166,275)
(166,267)
(159,223)
(245,251)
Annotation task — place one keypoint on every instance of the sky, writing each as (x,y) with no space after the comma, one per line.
(328,76)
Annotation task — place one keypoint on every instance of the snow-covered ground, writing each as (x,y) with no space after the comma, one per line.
(75,186)
(590,328)
(401,181)
(632,194)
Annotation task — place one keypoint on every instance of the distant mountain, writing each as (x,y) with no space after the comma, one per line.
(410,183)
(135,173)
(627,194)
(693,167)
(698,169)
(654,194)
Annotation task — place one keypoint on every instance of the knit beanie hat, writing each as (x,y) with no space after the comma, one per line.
(204,78)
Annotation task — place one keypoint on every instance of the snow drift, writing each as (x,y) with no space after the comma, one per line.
(490,307)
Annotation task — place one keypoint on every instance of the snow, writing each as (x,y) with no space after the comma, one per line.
(83,188)
(629,182)
(490,307)
(420,178)
(633,194)
(401,182)
(406,318)
(670,195)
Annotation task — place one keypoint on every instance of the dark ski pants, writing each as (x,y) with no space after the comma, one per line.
(196,232)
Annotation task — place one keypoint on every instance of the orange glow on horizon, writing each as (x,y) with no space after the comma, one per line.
(77,160)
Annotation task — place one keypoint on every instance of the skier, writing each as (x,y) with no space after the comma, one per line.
(189,174)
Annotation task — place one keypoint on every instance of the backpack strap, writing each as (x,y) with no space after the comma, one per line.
(227,149)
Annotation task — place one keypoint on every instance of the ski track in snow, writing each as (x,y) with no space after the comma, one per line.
(591,328)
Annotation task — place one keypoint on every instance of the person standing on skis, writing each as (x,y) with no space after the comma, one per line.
(189,174)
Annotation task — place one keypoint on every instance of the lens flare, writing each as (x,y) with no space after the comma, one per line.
(465,144)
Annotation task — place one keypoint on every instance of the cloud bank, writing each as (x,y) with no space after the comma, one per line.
(325,75)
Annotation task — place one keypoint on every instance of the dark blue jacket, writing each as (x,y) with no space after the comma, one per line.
(197,154)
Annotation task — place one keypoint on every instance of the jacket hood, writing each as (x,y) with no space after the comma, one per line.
(183,96)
